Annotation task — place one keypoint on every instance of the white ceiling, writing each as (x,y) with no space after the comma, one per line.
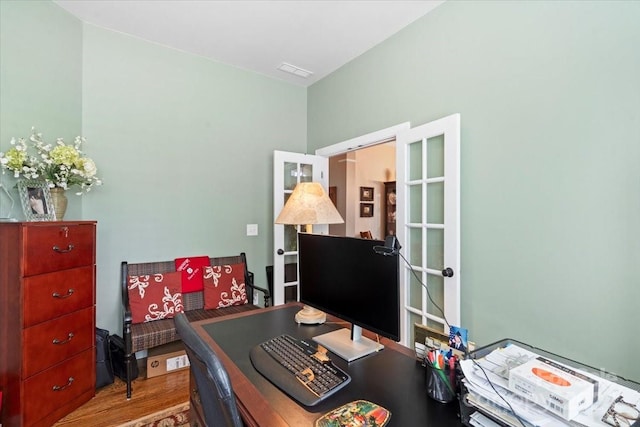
(315,35)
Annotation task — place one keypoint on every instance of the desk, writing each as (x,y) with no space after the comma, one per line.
(391,378)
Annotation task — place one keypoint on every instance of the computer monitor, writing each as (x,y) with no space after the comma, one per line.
(345,277)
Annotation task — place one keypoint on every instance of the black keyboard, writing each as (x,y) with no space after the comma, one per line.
(290,364)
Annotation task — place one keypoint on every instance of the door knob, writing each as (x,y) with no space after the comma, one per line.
(280,252)
(447,272)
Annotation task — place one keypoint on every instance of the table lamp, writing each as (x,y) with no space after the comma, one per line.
(309,204)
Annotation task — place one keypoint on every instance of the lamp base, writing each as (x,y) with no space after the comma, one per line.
(310,316)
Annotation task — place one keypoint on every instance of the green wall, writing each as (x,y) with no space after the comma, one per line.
(185,149)
(183,144)
(550,101)
(549,96)
(40,78)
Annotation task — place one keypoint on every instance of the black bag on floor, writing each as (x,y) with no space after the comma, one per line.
(104,370)
(116,344)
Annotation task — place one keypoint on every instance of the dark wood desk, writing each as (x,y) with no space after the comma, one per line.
(391,378)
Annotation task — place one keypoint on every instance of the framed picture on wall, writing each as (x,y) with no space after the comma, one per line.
(36,200)
(366,194)
(366,210)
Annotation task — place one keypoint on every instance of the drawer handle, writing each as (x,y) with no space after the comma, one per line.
(56,341)
(60,388)
(63,251)
(67,295)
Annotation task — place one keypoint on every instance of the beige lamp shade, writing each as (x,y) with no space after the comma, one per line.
(309,204)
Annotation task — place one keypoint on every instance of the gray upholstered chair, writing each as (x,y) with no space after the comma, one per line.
(212,381)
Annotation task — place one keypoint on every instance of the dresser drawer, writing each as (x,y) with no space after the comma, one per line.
(53,388)
(52,342)
(47,296)
(58,247)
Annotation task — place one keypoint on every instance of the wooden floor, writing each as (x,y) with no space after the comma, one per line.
(110,406)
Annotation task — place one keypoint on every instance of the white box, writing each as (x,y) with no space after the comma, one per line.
(166,358)
(555,387)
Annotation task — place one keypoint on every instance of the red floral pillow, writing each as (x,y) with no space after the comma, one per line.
(224,286)
(155,296)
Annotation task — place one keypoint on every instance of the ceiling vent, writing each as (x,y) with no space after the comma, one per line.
(296,71)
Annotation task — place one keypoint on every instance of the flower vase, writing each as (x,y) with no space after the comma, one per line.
(59,200)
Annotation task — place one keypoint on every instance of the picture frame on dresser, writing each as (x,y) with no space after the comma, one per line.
(35,197)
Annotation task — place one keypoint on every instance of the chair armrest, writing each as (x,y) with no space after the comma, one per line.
(267,295)
(127,318)
(249,280)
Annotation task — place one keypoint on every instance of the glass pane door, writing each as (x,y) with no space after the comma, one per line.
(289,170)
(428,224)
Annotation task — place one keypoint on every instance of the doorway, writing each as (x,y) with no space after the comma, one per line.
(359,183)
(428,214)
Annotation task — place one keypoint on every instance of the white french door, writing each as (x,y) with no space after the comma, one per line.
(428,224)
(288,170)
(428,216)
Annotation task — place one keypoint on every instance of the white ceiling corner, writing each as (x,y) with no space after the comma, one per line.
(315,35)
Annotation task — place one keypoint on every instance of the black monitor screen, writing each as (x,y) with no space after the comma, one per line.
(343,276)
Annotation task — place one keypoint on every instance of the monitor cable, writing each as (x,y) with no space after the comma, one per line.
(392,247)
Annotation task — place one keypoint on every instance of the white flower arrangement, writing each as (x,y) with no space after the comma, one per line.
(59,164)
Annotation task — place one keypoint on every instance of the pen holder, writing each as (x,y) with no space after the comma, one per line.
(440,384)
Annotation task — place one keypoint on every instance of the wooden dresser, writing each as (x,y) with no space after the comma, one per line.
(47,320)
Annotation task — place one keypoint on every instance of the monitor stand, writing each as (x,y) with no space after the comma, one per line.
(348,344)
